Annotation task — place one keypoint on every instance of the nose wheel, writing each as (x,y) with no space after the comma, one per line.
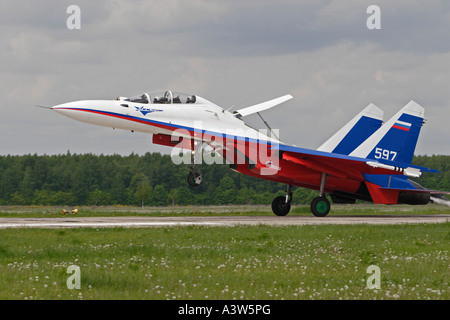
(194,179)
(280,207)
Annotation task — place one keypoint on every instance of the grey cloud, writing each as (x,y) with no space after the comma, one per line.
(231,52)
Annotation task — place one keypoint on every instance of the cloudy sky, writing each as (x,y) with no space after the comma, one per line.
(234,53)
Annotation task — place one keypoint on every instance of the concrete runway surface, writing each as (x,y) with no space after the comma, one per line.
(140,222)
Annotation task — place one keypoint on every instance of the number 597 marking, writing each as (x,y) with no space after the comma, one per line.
(385,154)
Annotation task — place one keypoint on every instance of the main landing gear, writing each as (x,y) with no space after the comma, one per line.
(320,206)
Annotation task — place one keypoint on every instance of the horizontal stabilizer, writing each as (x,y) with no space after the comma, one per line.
(261,106)
(394,182)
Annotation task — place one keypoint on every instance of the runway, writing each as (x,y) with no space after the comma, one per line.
(146,222)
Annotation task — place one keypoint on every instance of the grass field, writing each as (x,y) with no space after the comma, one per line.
(359,209)
(245,262)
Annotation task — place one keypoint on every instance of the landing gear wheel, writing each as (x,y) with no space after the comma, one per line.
(320,206)
(194,180)
(280,207)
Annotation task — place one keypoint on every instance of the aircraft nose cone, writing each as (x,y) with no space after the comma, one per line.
(88,111)
(63,109)
(60,106)
(71,109)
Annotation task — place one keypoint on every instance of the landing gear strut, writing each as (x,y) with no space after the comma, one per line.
(194,178)
(320,206)
(282,205)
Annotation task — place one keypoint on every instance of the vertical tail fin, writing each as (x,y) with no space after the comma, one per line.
(350,136)
(396,140)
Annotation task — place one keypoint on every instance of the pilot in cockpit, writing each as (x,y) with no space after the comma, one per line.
(144,98)
(191,99)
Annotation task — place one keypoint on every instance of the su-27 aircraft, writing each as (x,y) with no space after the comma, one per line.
(366,159)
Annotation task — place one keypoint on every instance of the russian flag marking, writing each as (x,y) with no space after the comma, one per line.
(405,126)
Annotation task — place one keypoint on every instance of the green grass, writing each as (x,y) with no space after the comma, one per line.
(336,210)
(245,262)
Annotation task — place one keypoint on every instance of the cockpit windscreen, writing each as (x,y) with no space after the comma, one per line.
(166,97)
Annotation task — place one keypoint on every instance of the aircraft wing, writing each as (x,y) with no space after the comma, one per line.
(262,106)
(337,165)
(343,166)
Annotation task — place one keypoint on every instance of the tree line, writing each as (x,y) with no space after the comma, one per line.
(151,179)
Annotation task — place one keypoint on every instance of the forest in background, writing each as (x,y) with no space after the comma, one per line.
(152,180)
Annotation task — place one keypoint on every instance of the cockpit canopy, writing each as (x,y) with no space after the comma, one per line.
(166,97)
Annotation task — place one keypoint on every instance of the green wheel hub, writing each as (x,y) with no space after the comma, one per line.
(320,206)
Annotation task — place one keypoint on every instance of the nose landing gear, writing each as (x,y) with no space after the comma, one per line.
(194,178)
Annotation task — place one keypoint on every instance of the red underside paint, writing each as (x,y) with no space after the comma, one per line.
(301,176)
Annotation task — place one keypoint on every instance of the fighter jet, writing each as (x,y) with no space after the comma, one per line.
(367,159)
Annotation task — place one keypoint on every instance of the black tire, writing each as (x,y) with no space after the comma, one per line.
(280,207)
(320,206)
(191,179)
